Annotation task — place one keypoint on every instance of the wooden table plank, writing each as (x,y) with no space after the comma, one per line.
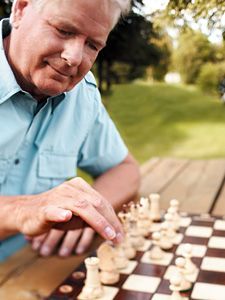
(219,208)
(14,263)
(36,280)
(197,186)
(149,166)
(157,178)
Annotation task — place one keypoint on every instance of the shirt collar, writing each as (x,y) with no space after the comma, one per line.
(8,83)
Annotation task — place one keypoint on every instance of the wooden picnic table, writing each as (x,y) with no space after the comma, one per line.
(197,184)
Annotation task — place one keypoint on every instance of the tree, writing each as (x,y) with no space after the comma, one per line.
(193,51)
(164,43)
(211,10)
(5,8)
(129,43)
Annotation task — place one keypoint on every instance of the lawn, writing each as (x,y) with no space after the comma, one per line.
(167,120)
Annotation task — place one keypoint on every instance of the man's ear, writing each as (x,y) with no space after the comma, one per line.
(18,11)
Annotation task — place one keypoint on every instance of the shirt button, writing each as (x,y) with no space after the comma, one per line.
(16,161)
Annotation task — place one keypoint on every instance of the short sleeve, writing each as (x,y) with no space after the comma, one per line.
(103,147)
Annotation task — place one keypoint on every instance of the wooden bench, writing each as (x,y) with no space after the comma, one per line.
(198,184)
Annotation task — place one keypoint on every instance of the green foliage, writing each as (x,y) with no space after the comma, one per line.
(167,120)
(211,10)
(210,77)
(129,43)
(194,50)
(164,43)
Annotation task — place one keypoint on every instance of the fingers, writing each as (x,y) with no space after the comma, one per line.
(69,242)
(96,220)
(37,241)
(57,214)
(85,240)
(51,241)
(72,201)
(96,211)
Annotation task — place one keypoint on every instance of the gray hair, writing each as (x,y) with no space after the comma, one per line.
(124,6)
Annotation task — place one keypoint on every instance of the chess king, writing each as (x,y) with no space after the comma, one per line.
(52,121)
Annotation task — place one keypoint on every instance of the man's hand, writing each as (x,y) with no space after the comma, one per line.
(68,206)
(77,241)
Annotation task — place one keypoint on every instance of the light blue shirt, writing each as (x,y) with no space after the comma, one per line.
(42,146)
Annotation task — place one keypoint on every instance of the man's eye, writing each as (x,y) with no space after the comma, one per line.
(64,33)
(92,46)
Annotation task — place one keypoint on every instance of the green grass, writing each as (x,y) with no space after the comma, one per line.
(166,120)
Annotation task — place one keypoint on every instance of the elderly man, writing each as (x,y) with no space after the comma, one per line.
(52,121)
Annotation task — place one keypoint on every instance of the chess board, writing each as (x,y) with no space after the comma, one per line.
(144,279)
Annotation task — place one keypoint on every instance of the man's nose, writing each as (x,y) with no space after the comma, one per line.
(74,51)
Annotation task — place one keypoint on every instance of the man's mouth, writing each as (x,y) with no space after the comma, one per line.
(60,72)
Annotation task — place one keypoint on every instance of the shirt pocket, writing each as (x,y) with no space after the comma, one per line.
(53,169)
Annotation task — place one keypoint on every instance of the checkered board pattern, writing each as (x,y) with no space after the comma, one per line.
(145,280)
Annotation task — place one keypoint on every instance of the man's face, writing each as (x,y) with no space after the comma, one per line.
(54,46)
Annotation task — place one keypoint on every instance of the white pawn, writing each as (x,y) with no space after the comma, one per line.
(155,214)
(137,240)
(175,284)
(190,267)
(121,259)
(180,264)
(166,242)
(144,222)
(171,228)
(156,253)
(130,251)
(176,218)
(92,288)
(175,203)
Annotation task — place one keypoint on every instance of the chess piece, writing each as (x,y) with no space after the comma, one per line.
(136,239)
(120,257)
(166,242)
(109,273)
(144,222)
(170,226)
(175,217)
(190,267)
(129,250)
(180,267)
(175,203)
(175,284)
(155,214)
(156,252)
(92,288)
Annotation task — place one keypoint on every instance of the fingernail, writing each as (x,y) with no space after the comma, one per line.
(119,237)
(64,252)
(80,250)
(36,245)
(45,251)
(110,233)
(65,214)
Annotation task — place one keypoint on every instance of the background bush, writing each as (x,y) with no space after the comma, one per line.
(211,77)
